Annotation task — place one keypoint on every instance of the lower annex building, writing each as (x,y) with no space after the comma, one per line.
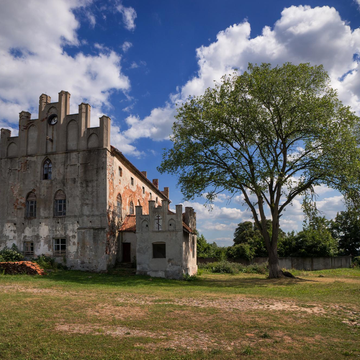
(67,193)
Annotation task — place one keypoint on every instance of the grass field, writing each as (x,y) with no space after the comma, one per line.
(79,315)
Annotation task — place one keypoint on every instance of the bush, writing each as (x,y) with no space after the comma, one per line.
(356,261)
(11,254)
(226,267)
(240,251)
(46,262)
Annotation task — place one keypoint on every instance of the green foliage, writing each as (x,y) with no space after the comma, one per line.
(207,250)
(315,240)
(249,242)
(11,254)
(356,261)
(244,135)
(47,262)
(345,228)
(240,251)
(188,277)
(227,267)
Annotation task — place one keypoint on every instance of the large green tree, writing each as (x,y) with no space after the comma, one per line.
(270,135)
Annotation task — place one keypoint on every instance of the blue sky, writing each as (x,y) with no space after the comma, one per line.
(134,60)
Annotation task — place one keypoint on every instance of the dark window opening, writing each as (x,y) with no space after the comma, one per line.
(159,251)
(47,170)
(59,247)
(132,181)
(60,204)
(30,210)
(28,248)
(120,171)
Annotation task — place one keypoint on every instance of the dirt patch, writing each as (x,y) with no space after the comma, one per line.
(118,312)
(239,303)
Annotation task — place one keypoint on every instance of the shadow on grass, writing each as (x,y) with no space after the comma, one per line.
(128,279)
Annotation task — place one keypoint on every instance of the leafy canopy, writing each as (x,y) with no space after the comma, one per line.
(269,134)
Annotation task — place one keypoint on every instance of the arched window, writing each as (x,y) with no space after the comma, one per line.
(47,170)
(60,204)
(30,210)
(132,212)
(119,205)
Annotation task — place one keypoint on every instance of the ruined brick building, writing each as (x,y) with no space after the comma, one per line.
(67,193)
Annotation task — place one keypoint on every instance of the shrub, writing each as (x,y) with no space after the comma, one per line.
(226,267)
(11,254)
(356,261)
(46,262)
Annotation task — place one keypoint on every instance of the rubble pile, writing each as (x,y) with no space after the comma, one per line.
(21,267)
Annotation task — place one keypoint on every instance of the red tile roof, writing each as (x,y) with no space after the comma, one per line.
(129,224)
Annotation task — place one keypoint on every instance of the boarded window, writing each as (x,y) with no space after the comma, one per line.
(59,247)
(132,211)
(159,251)
(60,204)
(30,210)
(28,248)
(47,170)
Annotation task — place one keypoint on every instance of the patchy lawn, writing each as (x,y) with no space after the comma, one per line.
(78,315)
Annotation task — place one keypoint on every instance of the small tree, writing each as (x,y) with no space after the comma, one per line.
(270,135)
(346,230)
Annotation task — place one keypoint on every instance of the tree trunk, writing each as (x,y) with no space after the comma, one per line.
(274,269)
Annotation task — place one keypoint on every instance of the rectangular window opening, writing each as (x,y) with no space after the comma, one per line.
(60,207)
(159,251)
(28,248)
(59,247)
(132,181)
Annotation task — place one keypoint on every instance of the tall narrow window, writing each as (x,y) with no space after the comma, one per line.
(47,170)
(119,205)
(132,181)
(132,212)
(30,210)
(60,204)
(120,171)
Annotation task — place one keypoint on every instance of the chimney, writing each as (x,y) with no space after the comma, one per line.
(144,173)
(156,183)
(166,192)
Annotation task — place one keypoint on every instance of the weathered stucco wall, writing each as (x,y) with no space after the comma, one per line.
(77,170)
(161,227)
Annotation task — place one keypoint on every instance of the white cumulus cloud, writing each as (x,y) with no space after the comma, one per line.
(34,61)
(302,34)
(128,15)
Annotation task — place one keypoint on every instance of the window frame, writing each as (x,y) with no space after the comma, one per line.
(60,204)
(59,247)
(30,206)
(47,169)
(26,246)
